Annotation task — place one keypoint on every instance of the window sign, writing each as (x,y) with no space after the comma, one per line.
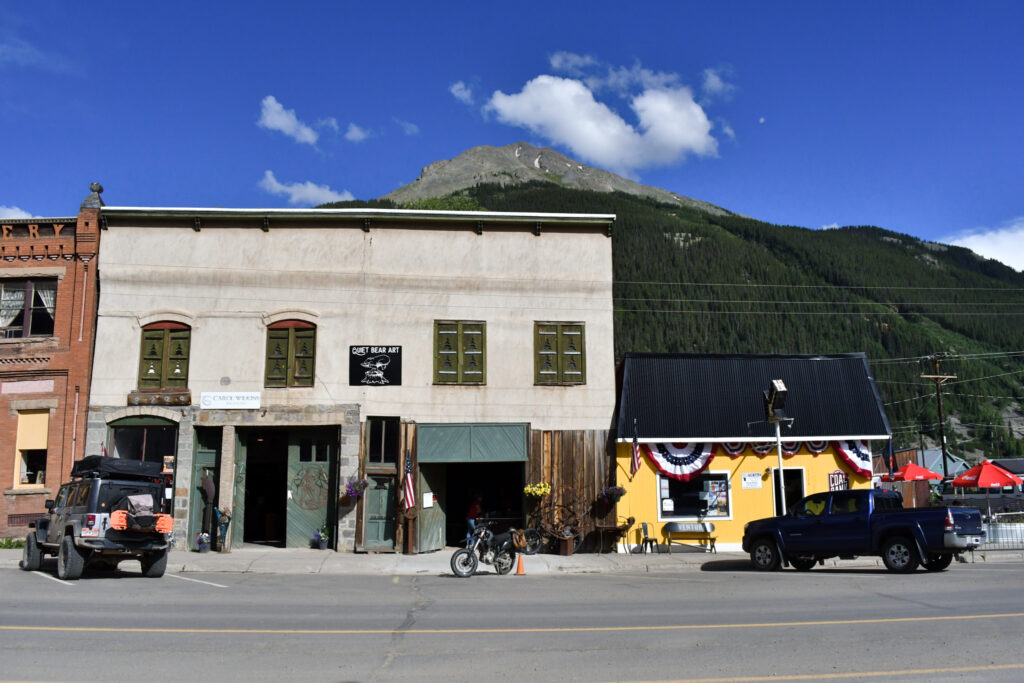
(751,480)
(375,365)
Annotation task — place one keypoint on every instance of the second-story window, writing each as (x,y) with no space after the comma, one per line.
(165,355)
(460,352)
(559,353)
(27,307)
(291,354)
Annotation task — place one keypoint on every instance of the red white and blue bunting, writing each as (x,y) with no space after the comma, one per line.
(856,454)
(685,461)
(682,461)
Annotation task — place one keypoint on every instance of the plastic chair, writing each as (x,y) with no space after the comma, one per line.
(647,541)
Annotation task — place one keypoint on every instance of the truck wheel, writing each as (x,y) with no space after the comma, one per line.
(70,561)
(900,555)
(31,557)
(765,555)
(803,564)
(154,564)
(936,563)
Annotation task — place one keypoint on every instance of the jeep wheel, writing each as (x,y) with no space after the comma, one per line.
(154,564)
(31,558)
(70,561)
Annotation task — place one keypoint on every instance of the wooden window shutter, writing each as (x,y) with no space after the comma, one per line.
(177,358)
(446,352)
(151,364)
(474,357)
(303,357)
(545,358)
(572,356)
(277,358)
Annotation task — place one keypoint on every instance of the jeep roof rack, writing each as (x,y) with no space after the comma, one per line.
(99,466)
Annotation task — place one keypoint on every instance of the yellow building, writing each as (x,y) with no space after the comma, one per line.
(708,445)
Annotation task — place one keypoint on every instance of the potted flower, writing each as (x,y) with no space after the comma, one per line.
(538,490)
(203,542)
(321,537)
(611,494)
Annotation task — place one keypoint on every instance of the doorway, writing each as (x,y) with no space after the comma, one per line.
(794,477)
(266,487)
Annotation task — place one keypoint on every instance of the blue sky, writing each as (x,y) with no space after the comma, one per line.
(904,115)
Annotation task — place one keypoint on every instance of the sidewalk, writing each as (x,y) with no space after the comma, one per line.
(261,560)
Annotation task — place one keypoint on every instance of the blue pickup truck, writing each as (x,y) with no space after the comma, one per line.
(847,524)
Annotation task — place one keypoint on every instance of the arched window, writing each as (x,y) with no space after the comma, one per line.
(291,354)
(164,357)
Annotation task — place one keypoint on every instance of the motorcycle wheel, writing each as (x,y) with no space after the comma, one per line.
(533,541)
(464,562)
(503,562)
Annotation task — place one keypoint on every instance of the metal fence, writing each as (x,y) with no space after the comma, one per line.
(1004,532)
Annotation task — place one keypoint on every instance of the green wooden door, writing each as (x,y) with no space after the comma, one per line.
(432,520)
(379,513)
(311,457)
(205,460)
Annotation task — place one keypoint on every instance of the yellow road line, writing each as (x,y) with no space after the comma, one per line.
(553,629)
(851,674)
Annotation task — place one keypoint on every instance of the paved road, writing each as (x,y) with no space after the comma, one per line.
(721,621)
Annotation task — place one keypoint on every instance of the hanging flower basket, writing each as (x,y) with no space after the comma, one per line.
(354,489)
(611,494)
(537,491)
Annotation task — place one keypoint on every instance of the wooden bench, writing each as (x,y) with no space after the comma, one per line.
(700,531)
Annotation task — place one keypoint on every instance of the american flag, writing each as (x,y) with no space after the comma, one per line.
(634,466)
(410,489)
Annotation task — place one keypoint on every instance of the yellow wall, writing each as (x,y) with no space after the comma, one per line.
(641,498)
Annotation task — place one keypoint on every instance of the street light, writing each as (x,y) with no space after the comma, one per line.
(774,402)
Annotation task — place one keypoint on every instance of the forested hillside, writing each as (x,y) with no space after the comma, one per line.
(690,281)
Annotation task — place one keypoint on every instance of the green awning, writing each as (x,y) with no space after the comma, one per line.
(471,443)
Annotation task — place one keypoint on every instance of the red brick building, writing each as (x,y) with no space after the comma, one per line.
(47,326)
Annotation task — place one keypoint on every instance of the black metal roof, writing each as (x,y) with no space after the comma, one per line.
(699,397)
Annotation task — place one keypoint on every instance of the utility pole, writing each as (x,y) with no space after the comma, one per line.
(939,378)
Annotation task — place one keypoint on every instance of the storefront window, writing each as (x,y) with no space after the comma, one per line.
(148,442)
(706,496)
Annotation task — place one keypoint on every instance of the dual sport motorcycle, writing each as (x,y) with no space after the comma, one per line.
(490,548)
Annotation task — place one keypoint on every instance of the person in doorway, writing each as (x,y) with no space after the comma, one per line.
(208,491)
(475,508)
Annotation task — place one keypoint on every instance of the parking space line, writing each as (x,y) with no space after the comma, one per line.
(53,578)
(185,578)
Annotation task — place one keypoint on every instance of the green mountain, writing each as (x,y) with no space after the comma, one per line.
(690,280)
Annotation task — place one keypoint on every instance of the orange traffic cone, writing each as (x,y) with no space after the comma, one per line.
(519,570)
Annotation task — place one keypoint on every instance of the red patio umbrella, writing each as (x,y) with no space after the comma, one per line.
(987,475)
(911,472)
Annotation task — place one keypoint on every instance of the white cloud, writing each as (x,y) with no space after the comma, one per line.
(1004,243)
(408,127)
(273,116)
(670,124)
(307,193)
(727,130)
(761,120)
(329,122)
(830,226)
(356,134)
(571,63)
(13,212)
(715,85)
(462,92)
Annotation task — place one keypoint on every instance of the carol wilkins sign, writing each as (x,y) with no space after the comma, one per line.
(380,365)
(229,400)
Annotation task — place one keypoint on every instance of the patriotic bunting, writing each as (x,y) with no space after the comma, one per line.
(682,461)
(816,447)
(790,447)
(856,454)
(763,448)
(734,448)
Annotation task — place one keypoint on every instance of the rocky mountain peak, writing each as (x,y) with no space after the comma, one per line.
(520,163)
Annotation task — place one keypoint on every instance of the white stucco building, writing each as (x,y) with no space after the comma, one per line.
(285,353)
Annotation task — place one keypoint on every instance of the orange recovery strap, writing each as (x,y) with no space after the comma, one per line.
(119,520)
(164,523)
